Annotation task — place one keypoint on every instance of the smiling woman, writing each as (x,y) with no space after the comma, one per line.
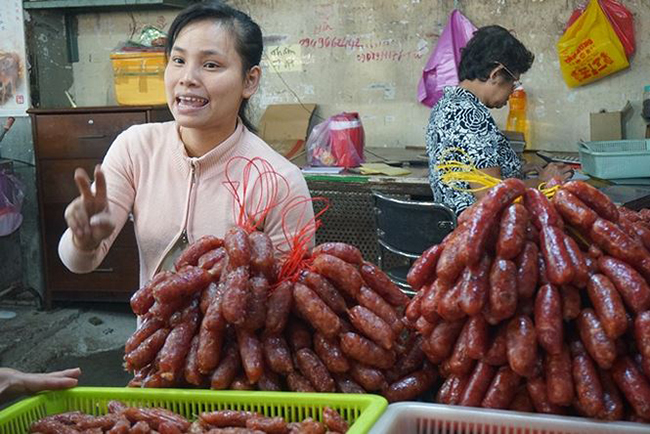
(170,176)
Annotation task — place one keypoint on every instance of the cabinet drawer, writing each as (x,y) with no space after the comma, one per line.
(81,135)
(57,179)
(118,273)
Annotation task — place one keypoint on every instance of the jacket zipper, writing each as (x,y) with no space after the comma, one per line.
(182,240)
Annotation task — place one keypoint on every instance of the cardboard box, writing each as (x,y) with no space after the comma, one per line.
(284,127)
(609,125)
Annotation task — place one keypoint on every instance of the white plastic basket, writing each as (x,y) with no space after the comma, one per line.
(616,159)
(419,418)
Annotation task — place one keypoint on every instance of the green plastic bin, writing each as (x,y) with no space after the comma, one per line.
(616,159)
(361,411)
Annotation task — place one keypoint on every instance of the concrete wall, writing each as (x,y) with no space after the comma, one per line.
(367,56)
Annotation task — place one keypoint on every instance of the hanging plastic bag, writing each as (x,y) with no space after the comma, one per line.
(620,18)
(590,49)
(11,202)
(442,67)
(338,141)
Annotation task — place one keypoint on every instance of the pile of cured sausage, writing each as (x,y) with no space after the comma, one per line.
(540,305)
(225,319)
(122,419)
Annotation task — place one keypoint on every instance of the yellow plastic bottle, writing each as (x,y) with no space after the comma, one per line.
(517,119)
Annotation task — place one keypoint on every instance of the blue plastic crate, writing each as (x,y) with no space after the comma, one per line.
(616,159)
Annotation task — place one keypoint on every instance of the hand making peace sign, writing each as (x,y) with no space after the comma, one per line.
(88,215)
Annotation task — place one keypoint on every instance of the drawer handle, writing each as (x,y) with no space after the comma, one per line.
(98,136)
(104,270)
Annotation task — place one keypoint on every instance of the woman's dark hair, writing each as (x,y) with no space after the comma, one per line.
(490,46)
(246,32)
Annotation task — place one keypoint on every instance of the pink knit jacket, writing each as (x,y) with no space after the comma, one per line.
(149,174)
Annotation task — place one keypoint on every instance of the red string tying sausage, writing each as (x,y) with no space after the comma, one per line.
(254,202)
(295,246)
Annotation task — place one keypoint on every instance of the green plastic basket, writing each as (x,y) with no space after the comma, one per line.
(361,411)
(616,159)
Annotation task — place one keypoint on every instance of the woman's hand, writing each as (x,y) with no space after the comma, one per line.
(88,216)
(15,383)
(559,171)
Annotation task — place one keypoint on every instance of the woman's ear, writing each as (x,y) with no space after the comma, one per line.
(252,81)
(494,75)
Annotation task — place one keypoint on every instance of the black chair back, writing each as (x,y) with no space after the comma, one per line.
(409,227)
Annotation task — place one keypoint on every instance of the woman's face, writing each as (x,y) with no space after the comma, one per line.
(500,88)
(204,81)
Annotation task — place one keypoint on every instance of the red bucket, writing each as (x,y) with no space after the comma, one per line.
(347,139)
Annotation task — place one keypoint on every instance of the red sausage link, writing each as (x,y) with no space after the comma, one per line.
(370,379)
(330,352)
(548,319)
(258,289)
(172,355)
(459,363)
(559,377)
(213,261)
(475,286)
(365,351)
(497,353)
(527,270)
(379,282)
(485,215)
(595,340)
(630,284)
(503,289)
(238,247)
(345,384)
(148,327)
(573,210)
(423,269)
(442,339)
(262,259)
(559,267)
(344,276)
(431,300)
(146,351)
(315,371)
(633,384)
(252,358)
(211,336)
(541,211)
(502,390)
(608,305)
(413,309)
(453,258)
(452,390)
(372,326)
(380,307)
(512,233)
(581,272)
(325,290)
(411,386)
(449,306)
(538,395)
(277,354)
(613,409)
(343,251)
(522,401)
(191,370)
(594,198)
(142,299)
(297,383)
(617,243)
(278,308)
(182,285)
(478,385)
(642,335)
(235,296)
(521,342)
(571,302)
(191,255)
(228,368)
(477,337)
(314,309)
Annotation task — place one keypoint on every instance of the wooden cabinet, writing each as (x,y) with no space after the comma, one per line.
(65,139)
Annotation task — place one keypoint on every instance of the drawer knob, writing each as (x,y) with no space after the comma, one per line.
(91,122)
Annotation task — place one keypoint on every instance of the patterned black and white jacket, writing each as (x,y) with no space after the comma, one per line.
(460,121)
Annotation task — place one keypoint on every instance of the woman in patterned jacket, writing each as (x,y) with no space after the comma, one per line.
(490,67)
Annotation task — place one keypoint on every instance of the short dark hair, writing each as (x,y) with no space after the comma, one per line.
(490,46)
(246,32)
